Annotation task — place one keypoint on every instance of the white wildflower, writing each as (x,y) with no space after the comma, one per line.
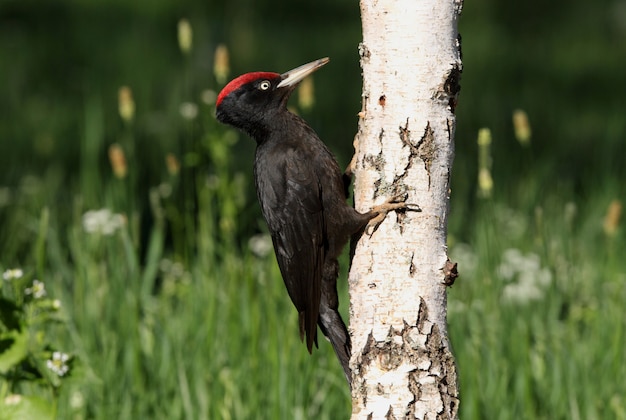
(13,399)
(260,245)
(208,96)
(188,110)
(527,280)
(12,273)
(177,270)
(77,400)
(102,221)
(37,290)
(58,363)
(521,292)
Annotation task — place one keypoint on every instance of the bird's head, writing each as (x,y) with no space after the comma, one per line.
(251,101)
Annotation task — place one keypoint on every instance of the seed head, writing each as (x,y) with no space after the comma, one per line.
(185,36)
(118,161)
(126,104)
(221,66)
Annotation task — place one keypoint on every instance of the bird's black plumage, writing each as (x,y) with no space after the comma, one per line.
(302,196)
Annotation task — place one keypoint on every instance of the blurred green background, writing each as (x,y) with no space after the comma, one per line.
(179,312)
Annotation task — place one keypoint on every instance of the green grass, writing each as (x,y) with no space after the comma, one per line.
(556,357)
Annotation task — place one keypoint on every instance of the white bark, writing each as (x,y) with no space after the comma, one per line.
(401,358)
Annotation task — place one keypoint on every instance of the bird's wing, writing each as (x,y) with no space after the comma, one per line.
(292,206)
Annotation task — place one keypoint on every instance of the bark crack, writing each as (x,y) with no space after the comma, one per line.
(452,86)
(406,138)
(377,162)
(412,267)
(425,148)
(364,53)
(445,369)
(398,182)
(422,316)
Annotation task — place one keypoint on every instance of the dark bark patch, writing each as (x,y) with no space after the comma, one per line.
(452,86)
(374,161)
(422,316)
(405,137)
(364,52)
(426,149)
(445,369)
(450,273)
(398,182)
(405,347)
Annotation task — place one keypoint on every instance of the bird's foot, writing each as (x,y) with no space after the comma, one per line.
(392,204)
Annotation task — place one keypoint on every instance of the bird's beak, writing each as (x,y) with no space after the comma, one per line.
(293,77)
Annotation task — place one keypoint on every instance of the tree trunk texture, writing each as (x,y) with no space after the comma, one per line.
(401,358)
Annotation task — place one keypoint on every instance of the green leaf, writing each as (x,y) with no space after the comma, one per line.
(15,345)
(9,314)
(20,407)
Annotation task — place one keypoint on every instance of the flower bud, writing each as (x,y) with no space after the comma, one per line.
(611,220)
(118,161)
(306,97)
(521,126)
(125,104)
(172,164)
(221,66)
(185,36)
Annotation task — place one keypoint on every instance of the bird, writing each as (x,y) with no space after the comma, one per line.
(302,193)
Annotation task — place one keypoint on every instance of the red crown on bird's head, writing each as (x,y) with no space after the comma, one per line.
(236,83)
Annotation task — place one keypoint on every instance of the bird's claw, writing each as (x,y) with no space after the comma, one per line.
(413,207)
(393,204)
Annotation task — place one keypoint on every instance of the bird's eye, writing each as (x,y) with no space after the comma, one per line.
(265,85)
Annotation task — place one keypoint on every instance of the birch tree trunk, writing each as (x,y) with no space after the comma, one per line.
(401,358)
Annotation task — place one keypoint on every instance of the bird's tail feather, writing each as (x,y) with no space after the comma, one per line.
(335,330)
